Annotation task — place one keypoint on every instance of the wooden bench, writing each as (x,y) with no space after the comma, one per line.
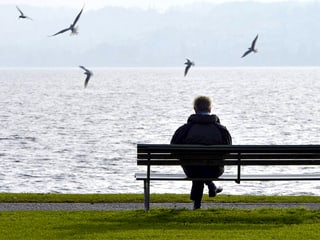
(239,156)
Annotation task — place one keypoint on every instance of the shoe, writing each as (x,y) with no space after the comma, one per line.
(196,205)
(214,192)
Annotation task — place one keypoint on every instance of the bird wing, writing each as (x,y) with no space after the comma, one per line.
(77,18)
(87,80)
(62,31)
(19,10)
(186,69)
(246,53)
(254,42)
(188,61)
(84,68)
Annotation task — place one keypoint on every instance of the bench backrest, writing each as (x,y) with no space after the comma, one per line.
(176,154)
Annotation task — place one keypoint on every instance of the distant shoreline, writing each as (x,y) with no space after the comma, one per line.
(155,67)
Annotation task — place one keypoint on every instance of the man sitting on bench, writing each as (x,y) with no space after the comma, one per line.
(202,128)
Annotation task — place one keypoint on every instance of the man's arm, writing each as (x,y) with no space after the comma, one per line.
(226,137)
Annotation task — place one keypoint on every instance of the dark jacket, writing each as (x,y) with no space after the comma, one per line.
(202,129)
(206,130)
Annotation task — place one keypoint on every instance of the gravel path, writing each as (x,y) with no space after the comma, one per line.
(139,206)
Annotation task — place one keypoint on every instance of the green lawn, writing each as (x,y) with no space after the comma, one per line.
(220,224)
(168,224)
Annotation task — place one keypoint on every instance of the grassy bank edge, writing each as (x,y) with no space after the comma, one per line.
(156,198)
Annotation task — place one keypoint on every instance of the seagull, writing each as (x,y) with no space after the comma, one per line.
(72,28)
(88,73)
(189,64)
(252,48)
(22,14)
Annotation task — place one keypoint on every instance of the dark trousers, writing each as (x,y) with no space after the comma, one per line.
(201,171)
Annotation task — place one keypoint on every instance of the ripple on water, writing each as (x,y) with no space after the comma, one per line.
(56,137)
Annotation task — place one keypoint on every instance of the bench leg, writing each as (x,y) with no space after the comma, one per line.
(146,195)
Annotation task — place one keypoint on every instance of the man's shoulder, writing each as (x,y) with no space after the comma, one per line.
(221,126)
(184,128)
(180,133)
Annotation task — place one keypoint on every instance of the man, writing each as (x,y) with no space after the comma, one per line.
(202,128)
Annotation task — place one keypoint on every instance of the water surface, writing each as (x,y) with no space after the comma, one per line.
(57,136)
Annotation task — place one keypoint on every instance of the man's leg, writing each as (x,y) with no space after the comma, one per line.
(213,172)
(197,193)
(213,190)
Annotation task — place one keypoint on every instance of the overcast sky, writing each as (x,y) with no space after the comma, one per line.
(93,4)
(210,35)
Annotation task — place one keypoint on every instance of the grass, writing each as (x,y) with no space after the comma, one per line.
(222,224)
(156,198)
(170,224)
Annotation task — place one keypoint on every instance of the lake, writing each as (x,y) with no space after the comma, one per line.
(59,137)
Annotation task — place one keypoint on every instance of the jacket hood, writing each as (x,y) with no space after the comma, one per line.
(203,119)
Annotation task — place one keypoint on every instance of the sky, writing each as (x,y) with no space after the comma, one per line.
(287,31)
(95,4)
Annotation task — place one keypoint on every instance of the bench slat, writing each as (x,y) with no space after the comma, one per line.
(230,177)
(196,156)
(165,148)
(242,162)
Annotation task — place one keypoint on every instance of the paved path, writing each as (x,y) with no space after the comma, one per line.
(139,206)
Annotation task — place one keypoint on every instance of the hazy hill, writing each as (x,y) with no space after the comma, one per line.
(211,35)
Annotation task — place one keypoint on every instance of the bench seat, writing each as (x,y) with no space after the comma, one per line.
(229,177)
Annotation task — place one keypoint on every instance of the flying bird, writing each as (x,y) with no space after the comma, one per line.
(189,64)
(72,28)
(252,48)
(22,14)
(88,73)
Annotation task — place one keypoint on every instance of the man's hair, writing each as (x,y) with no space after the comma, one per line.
(202,104)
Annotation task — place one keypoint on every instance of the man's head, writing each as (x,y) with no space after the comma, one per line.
(202,104)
